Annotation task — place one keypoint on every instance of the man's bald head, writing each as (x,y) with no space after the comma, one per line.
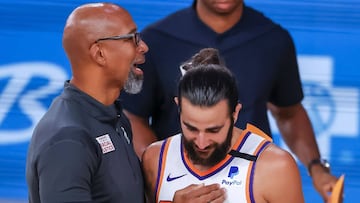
(89,22)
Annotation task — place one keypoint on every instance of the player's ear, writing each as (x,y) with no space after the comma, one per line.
(176,100)
(236,112)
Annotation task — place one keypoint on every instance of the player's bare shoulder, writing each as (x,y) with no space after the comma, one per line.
(152,153)
(276,171)
(276,160)
(150,163)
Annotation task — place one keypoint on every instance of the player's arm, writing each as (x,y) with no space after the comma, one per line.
(296,129)
(150,161)
(277,178)
(143,135)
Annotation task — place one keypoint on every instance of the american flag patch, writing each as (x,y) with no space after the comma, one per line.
(105,143)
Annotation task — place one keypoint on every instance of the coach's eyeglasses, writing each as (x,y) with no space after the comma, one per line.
(135,36)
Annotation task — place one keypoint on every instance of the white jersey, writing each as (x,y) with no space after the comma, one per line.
(235,172)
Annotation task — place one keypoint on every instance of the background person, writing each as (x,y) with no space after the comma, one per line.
(81,150)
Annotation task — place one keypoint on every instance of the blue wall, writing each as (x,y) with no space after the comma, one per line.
(33,67)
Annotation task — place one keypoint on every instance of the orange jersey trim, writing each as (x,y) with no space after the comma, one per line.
(254,129)
(163,162)
(251,168)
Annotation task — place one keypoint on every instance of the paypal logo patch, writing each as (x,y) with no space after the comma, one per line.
(234,170)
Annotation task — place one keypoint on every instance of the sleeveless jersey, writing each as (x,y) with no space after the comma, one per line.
(234,173)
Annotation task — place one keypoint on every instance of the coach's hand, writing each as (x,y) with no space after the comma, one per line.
(200,194)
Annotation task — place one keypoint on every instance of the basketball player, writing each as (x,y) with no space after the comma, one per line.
(211,160)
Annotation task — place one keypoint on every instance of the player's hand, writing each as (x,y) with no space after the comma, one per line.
(200,194)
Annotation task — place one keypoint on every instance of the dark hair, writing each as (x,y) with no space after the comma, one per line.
(207,81)
(203,57)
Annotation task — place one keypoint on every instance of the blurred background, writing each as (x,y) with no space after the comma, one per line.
(33,67)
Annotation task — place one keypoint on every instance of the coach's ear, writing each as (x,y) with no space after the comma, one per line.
(97,54)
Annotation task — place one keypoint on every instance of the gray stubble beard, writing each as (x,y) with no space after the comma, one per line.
(134,83)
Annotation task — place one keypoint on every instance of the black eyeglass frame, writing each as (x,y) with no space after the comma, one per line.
(135,36)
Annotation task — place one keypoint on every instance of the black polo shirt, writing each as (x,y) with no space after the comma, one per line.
(81,151)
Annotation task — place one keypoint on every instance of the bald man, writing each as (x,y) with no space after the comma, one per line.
(82,150)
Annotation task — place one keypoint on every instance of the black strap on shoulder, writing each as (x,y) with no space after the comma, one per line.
(243,155)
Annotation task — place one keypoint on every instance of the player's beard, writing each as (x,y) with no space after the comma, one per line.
(219,153)
(134,83)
